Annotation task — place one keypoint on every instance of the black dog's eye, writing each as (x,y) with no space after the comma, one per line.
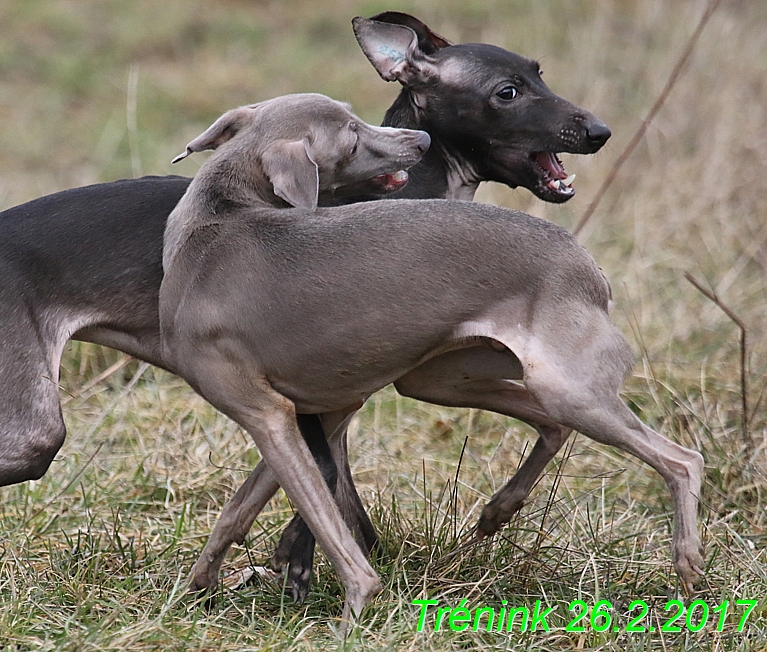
(507,93)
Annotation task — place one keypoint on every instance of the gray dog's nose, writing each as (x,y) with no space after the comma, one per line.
(423,142)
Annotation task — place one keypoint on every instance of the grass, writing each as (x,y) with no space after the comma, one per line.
(94,555)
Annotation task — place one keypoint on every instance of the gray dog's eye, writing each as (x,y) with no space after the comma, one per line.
(352,126)
(507,93)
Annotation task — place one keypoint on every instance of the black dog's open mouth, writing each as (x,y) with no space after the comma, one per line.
(391,182)
(552,177)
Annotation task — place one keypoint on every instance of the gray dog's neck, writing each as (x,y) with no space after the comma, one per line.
(226,182)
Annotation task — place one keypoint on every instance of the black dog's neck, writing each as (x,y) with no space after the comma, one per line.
(429,177)
(403,113)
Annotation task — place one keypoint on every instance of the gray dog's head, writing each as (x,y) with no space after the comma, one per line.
(300,148)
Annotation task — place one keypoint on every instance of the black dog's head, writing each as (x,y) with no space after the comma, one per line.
(487,107)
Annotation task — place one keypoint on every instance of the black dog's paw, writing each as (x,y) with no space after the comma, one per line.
(284,551)
(301,562)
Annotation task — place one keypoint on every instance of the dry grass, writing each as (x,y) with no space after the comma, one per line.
(93,556)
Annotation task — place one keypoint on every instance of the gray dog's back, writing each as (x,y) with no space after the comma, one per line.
(409,249)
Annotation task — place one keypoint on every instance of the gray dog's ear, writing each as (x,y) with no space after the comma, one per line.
(394,48)
(222,130)
(293,173)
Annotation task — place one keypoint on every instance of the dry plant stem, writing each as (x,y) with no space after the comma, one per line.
(455,488)
(642,130)
(755,409)
(131,384)
(743,349)
(102,376)
(65,489)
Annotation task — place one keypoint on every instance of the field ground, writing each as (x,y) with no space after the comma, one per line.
(94,555)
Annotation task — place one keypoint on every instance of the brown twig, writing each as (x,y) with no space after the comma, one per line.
(642,130)
(709,294)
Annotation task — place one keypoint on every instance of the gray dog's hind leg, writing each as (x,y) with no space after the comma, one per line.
(578,386)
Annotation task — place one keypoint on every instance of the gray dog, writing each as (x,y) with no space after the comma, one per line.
(268,312)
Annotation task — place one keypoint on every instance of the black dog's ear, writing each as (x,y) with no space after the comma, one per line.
(222,130)
(428,41)
(293,173)
(394,50)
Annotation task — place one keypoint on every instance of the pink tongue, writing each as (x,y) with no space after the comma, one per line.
(548,161)
(393,181)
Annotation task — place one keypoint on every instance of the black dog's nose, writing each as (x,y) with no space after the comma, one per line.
(598,132)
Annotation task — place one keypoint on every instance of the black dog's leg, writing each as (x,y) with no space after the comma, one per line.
(348,499)
(32,429)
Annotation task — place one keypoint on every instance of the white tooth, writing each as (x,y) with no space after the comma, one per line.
(400,175)
(569,180)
